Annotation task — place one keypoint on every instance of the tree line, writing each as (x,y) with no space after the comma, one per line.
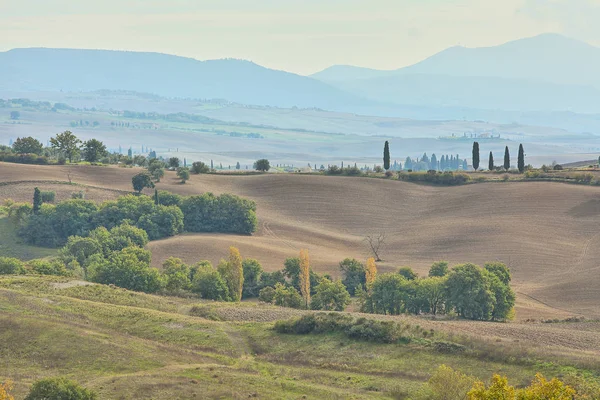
(166,214)
(506,164)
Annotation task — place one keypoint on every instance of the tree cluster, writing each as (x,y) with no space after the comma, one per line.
(166,215)
(468,290)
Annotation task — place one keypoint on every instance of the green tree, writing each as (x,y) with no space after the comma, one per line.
(500,270)
(387,295)
(407,273)
(330,296)
(156,201)
(386,155)
(433,291)
(128,268)
(28,145)
(287,297)
(141,181)
(491,162)
(210,285)
(262,165)
(93,150)
(37,200)
(174,162)
(176,274)
(66,143)
(521,159)
(164,221)
(59,389)
(183,173)
(506,159)
(439,268)
(354,275)
(199,167)
(11,266)
(252,274)
(468,292)
(475,156)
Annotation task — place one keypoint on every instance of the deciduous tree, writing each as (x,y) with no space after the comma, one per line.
(141,181)
(262,165)
(305,276)
(93,150)
(370,272)
(27,145)
(66,143)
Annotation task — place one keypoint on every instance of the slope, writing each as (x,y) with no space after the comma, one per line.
(546,232)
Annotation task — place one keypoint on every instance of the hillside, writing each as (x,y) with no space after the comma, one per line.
(54,70)
(546,232)
(186,348)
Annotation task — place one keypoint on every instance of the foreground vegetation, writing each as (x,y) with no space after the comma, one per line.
(178,347)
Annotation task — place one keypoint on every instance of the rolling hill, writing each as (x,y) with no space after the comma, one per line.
(546,232)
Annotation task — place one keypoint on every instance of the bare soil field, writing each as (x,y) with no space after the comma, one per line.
(546,232)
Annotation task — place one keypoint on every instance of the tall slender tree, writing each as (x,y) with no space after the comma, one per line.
(491,162)
(506,159)
(475,156)
(521,159)
(156,201)
(37,200)
(370,272)
(232,272)
(305,276)
(386,155)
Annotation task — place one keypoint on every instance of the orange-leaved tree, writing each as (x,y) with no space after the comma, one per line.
(5,389)
(305,276)
(370,272)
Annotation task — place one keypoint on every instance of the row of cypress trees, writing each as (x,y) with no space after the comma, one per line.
(491,167)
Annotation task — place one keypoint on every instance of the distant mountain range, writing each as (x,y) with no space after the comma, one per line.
(546,73)
(41,69)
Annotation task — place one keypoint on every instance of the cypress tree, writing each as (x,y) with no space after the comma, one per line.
(156,202)
(506,159)
(491,162)
(37,200)
(521,159)
(386,156)
(475,156)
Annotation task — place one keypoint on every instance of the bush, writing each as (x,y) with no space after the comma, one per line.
(11,266)
(43,267)
(48,196)
(375,331)
(200,168)
(210,285)
(267,294)
(262,165)
(442,346)
(78,195)
(59,389)
(557,167)
(447,178)
(287,297)
(334,170)
(330,296)
(24,158)
(169,199)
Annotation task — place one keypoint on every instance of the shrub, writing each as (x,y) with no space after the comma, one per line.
(532,174)
(447,178)
(287,297)
(200,168)
(11,266)
(557,167)
(375,331)
(330,296)
(334,170)
(43,267)
(59,389)
(24,158)
(442,346)
(48,196)
(267,294)
(78,195)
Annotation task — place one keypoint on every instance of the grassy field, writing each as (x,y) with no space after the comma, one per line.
(129,345)
(12,246)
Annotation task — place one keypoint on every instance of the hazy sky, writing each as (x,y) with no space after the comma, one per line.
(301,36)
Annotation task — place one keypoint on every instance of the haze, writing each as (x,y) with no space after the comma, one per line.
(298,36)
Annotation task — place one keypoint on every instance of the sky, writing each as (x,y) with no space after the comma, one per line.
(300,36)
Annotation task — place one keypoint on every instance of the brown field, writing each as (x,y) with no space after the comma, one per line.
(547,232)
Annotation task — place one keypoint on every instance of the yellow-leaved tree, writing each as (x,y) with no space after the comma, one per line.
(5,389)
(540,389)
(305,276)
(370,272)
(498,389)
(232,272)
